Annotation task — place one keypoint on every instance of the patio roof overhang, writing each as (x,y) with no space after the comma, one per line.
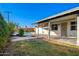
(65,13)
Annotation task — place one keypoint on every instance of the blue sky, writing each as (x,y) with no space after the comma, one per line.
(28,13)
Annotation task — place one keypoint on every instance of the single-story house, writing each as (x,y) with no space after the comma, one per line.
(29,29)
(64,25)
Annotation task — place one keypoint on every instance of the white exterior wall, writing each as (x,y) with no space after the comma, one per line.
(71,33)
(53,33)
(56,33)
(42,31)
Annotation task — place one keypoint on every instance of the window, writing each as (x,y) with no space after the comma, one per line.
(54,27)
(74,25)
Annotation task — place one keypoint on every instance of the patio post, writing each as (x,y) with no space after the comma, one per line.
(38,30)
(77,30)
(49,30)
(42,31)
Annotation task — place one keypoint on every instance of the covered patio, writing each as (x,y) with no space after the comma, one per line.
(62,27)
(61,36)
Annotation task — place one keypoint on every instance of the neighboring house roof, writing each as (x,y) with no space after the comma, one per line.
(30,29)
(60,14)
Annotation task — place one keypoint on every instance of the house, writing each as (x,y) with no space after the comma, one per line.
(30,29)
(64,25)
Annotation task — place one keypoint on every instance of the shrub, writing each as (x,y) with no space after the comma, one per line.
(4,33)
(21,32)
(11,27)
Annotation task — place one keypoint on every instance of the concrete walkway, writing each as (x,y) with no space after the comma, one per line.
(16,38)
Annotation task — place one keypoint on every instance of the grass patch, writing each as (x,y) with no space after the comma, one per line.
(37,47)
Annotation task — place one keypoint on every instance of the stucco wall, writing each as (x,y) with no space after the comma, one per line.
(53,33)
(57,33)
(42,31)
(71,33)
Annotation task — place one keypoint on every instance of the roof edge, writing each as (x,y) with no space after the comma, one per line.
(59,14)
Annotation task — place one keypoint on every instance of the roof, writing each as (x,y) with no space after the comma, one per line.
(30,29)
(60,14)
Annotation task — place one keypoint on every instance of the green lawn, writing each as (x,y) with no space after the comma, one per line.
(41,48)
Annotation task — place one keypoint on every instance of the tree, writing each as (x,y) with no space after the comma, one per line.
(21,32)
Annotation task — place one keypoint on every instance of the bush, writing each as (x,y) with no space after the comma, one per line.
(11,27)
(4,33)
(21,32)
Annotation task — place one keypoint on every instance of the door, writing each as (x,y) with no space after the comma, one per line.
(64,29)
